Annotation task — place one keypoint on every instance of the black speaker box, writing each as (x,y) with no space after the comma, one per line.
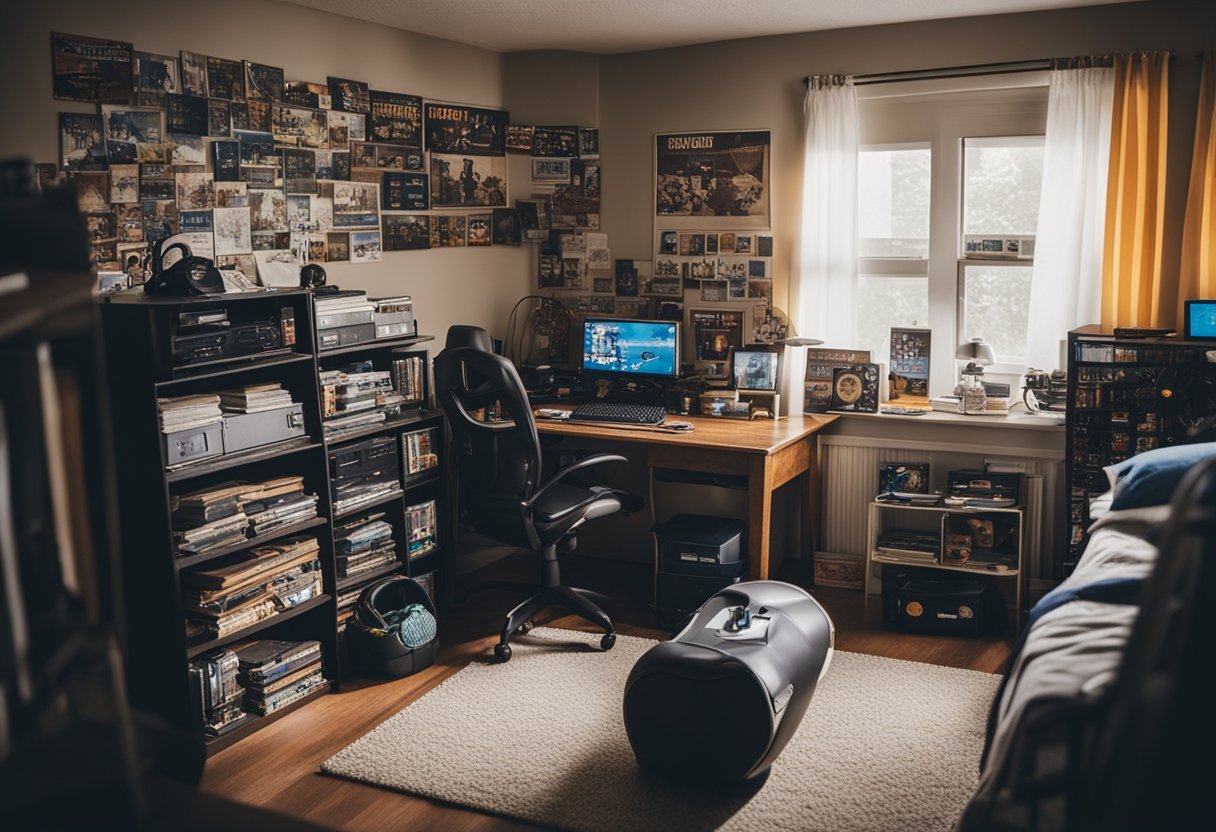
(933,602)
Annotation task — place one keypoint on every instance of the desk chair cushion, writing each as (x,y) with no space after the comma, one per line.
(562,506)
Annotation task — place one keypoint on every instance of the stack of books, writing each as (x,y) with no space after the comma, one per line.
(364,546)
(188,412)
(278,673)
(356,396)
(408,378)
(255,398)
(260,584)
(232,512)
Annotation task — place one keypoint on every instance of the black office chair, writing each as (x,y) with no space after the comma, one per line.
(500,470)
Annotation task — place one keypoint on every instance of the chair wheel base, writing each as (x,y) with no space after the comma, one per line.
(502,652)
(526,627)
(608,641)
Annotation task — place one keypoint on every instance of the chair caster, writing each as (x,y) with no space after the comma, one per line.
(502,652)
(526,627)
(608,641)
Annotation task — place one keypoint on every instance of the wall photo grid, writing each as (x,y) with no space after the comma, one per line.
(258,168)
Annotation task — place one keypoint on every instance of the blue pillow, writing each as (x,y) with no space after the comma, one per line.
(1149,479)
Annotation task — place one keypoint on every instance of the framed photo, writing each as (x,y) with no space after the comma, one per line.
(468,181)
(519,138)
(396,119)
(910,362)
(459,128)
(404,232)
(821,365)
(755,369)
(855,389)
(91,69)
(908,477)
(715,333)
(713,178)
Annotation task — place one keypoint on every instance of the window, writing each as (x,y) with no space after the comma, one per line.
(893,184)
(949,176)
(893,202)
(1002,178)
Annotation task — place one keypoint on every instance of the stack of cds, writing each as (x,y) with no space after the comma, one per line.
(420,520)
(278,673)
(260,584)
(408,378)
(364,546)
(356,396)
(216,693)
(233,512)
(419,449)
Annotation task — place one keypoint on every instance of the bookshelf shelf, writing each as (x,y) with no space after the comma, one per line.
(261,540)
(381,344)
(197,648)
(212,465)
(255,722)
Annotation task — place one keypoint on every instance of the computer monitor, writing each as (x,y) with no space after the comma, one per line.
(1200,319)
(624,349)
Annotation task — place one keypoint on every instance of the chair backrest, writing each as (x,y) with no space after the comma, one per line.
(498,461)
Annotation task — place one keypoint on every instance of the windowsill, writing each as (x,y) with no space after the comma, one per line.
(1018,419)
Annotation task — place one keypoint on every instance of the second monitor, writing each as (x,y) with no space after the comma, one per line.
(625,349)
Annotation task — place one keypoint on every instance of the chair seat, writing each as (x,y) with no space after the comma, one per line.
(595,502)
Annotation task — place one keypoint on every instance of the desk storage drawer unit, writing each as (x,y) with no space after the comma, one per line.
(696,556)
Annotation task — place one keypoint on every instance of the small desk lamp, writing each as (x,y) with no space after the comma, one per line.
(977,352)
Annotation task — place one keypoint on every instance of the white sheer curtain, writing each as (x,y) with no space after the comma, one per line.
(1066,287)
(827,257)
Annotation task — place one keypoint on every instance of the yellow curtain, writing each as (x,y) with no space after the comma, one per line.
(1135,193)
(1199,232)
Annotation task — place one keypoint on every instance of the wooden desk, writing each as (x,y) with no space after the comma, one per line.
(769,453)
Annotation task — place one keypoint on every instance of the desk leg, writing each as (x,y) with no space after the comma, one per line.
(759,515)
(813,484)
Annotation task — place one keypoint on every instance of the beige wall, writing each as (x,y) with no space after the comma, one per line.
(476,286)
(747,83)
(758,83)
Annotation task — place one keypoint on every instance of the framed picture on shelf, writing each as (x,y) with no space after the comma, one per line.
(855,389)
(755,369)
(909,374)
(906,477)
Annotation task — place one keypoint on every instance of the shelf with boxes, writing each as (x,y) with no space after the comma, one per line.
(1116,409)
(384,444)
(977,528)
(228,494)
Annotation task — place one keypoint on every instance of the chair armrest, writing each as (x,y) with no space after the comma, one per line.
(587,462)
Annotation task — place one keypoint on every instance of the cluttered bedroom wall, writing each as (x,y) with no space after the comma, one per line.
(475,285)
(757,84)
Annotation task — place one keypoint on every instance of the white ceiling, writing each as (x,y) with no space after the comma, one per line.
(614,26)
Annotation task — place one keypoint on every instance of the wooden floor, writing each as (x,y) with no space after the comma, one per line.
(277,768)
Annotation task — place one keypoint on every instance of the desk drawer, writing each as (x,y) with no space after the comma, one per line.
(698,459)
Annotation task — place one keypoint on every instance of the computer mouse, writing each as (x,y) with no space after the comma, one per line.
(680,426)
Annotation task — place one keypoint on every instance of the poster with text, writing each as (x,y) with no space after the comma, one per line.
(713,179)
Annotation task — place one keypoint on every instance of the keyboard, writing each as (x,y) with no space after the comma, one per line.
(628,414)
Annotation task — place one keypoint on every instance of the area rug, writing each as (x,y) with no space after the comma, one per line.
(886,745)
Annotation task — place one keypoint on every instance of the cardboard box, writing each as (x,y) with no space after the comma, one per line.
(839,571)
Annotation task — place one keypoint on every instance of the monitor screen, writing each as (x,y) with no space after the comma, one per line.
(1200,319)
(631,348)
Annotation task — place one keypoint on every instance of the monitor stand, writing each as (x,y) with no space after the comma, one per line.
(630,392)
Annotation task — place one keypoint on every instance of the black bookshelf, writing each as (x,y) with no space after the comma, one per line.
(137,333)
(416,488)
(1113,413)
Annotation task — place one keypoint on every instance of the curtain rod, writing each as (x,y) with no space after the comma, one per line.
(962,71)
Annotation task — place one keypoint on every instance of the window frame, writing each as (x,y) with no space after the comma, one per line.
(941,114)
